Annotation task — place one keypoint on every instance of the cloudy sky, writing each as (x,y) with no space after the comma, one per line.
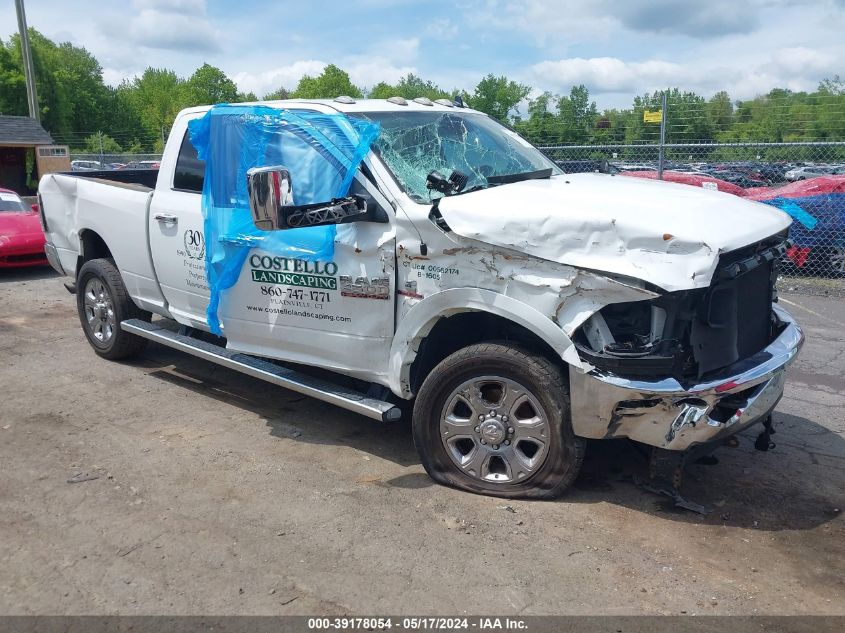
(618,48)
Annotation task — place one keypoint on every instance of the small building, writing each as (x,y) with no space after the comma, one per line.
(27,152)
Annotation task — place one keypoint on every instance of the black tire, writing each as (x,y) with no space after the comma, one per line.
(544,381)
(119,344)
(826,261)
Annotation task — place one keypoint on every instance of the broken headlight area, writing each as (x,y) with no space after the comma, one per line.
(690,333)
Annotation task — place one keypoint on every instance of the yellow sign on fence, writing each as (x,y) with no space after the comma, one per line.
(652,117)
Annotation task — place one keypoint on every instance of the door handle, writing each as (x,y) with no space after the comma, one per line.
(167,218)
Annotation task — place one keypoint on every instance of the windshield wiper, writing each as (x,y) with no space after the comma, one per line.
(540,174)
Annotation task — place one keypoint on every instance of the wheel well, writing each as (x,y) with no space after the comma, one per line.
(452,333)
(93,247)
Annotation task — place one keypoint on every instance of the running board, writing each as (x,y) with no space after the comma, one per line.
(265,370)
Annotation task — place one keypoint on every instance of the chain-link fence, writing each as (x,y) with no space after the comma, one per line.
(805,179)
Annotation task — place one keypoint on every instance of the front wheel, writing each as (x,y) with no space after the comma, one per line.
(494,419)
(103,302)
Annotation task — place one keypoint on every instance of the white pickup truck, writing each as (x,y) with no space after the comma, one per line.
(515,310)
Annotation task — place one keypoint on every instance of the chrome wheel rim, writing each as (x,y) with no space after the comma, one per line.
(494,430)
(99,310)
(836,259)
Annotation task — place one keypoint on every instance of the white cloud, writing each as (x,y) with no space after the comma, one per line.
(575,21)
(398,50)
(797,68)
(262,83)
(799,59)
(366,74)
(441,29)
(606,74)
(173,25)
(190,7)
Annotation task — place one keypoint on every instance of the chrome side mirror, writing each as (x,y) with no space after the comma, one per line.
(270,189)
(271,202)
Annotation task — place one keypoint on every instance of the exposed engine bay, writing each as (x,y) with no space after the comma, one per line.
(689,333)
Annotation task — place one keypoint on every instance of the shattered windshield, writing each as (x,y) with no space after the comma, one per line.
(412,144)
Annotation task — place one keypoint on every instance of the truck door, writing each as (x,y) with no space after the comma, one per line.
(176,235)
(337,314)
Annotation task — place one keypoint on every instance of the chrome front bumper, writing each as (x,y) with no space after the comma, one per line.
(665,414)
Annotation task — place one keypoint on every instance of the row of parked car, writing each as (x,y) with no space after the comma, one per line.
(745,174)
(95,165)
(814,194)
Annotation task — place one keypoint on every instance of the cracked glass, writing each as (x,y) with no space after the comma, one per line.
(414,143)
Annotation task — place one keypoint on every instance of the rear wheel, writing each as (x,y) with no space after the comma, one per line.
(103,302)
(494,419)
(828,261)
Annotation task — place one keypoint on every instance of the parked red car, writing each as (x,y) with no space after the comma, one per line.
(21,236)
(686,178)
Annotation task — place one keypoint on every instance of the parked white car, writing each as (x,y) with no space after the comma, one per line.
(85,165)
(518,313)
(809,171)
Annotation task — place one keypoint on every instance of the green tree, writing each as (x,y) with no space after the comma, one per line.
(541,127)
(409,87)
(100,143)
(157,96)
(498,96)
(832,86)
(382,90)
(209,85)
(122,118)
(720,112)
(332,82)
(577,115)
(279,93)
(12,83)
(69,80)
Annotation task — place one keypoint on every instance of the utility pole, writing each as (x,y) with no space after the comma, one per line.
(28,71)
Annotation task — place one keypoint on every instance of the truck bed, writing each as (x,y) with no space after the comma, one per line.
(84,211)
(145,177)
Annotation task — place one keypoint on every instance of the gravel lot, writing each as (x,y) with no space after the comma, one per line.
(218,494)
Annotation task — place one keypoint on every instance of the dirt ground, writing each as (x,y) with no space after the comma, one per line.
(218,494)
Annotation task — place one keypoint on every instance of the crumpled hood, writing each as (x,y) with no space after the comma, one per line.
(668,234)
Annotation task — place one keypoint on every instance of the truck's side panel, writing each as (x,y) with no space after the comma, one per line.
(176,236)
(117,214)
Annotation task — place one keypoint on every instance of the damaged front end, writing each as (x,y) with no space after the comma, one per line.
(690,366)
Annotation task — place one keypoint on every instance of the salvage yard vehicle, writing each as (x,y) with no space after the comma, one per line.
(517,309)
(21,237)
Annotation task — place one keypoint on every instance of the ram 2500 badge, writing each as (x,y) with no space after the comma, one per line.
(515,310)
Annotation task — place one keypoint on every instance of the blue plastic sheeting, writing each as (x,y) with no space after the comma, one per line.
(794,209)
(821,219)
(322,152)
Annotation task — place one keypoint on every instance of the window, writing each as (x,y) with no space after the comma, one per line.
(190,170)
(52,150)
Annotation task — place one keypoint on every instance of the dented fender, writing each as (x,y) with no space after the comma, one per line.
(420,319)
(553,314)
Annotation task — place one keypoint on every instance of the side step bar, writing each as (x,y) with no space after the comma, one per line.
(265,370)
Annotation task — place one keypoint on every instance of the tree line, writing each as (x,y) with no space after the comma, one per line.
(79,109)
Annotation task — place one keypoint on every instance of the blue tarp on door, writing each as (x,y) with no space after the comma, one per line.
(322,152)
